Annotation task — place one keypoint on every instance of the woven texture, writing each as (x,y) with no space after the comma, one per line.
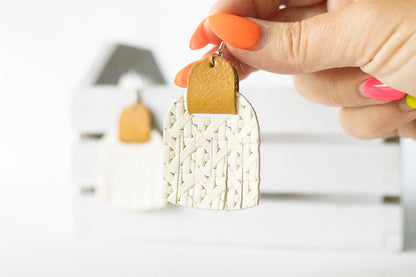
(211,162)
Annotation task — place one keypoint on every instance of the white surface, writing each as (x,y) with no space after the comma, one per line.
(46,49)
(107,258)
(97,111)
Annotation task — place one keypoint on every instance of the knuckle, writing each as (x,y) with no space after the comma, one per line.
(293,44)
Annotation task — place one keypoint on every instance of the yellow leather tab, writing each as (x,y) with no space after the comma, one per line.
(211,89)
(135,124)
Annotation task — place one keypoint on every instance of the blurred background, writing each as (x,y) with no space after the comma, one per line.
(47,48)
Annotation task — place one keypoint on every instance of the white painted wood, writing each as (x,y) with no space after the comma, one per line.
(280,110)
(330,167)
(275,223)
(293,165)
(85,162)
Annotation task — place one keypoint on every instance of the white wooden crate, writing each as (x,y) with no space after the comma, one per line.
(325,167)
(280,110)
(85,156)
(278,222)
(304,153)
(349,168)
(303,149)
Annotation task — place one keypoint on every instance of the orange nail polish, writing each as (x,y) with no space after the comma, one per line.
(198,39)
(237,31)
(181,79)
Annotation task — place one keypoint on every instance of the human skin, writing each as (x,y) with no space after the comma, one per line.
(333,48)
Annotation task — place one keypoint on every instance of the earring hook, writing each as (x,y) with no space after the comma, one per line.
(219,53)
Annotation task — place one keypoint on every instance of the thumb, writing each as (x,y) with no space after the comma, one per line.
(331,40)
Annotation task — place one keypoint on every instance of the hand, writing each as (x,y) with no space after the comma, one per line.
(334,54)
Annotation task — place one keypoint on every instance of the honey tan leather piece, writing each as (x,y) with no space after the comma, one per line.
(211,89)
(135,123)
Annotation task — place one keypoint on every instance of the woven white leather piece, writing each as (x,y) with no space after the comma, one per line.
(129,174)
(212,162)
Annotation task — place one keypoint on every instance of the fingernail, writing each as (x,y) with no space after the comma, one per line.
(411,101)
(181,79)
(237,31)
(375,89)
(198,39)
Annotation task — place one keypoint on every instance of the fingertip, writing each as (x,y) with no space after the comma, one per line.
(374,89)
(181,78)
(238,31)
(199,39)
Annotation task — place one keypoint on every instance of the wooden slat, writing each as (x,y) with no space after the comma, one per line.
(293,165)
(275,223)
(85,162)
(358,167)
(279,110)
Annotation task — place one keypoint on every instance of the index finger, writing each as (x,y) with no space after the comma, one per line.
(261,9)
(295,10)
